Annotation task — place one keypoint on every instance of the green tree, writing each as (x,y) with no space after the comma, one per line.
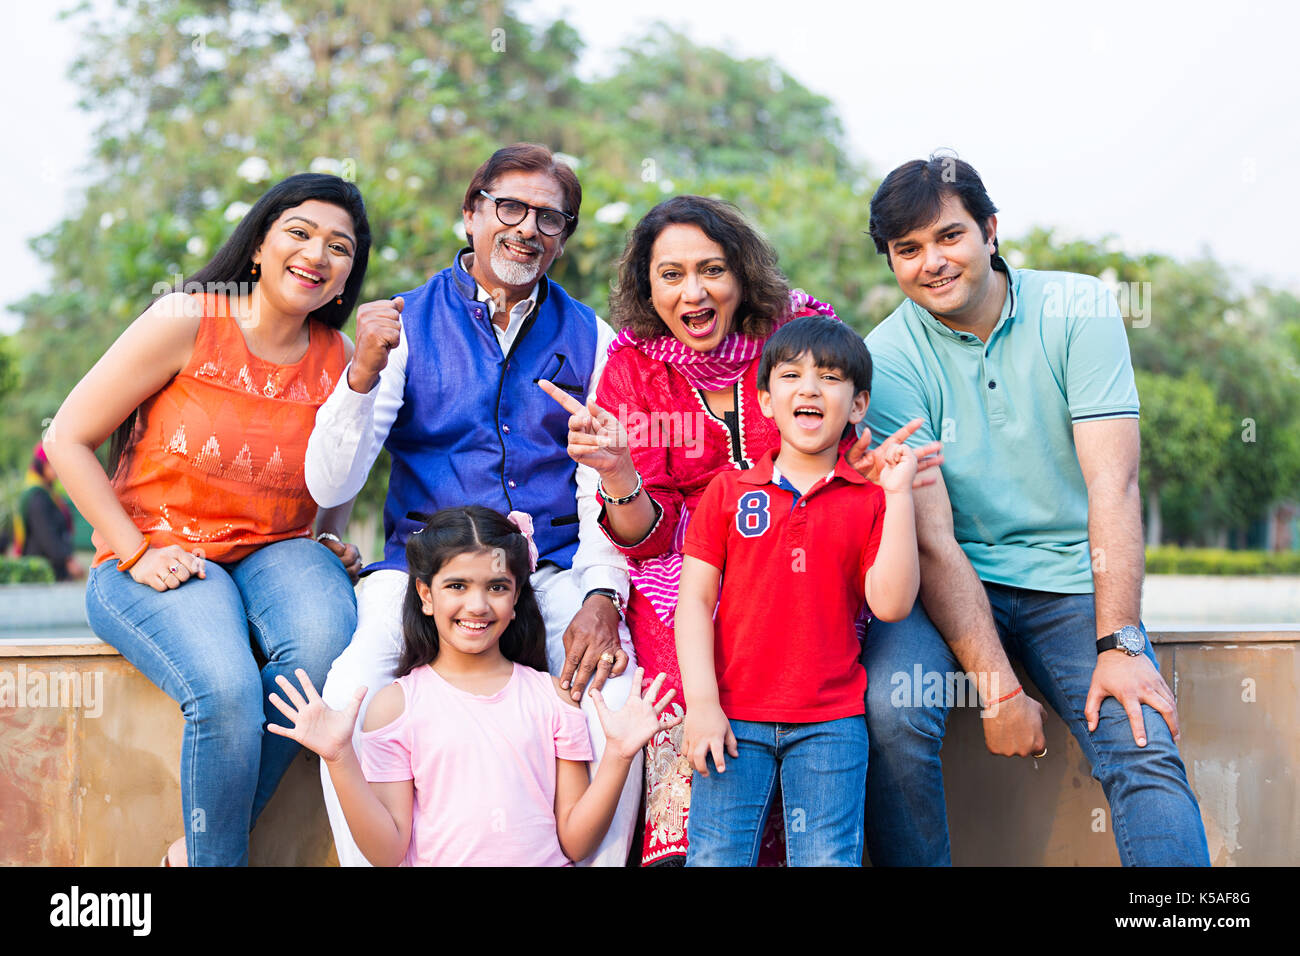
(1184,430)
(203,104)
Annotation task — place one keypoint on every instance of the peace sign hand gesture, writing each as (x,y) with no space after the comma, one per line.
(871,464)
(597,439)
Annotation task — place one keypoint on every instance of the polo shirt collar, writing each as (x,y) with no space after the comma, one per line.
(1008,309)
(762,472)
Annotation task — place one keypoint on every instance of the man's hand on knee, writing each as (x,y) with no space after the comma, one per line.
(1015,727)
(592,651)
(1133,681)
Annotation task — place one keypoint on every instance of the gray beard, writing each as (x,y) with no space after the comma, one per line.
(511,272)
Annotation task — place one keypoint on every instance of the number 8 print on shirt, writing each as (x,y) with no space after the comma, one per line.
(752,516)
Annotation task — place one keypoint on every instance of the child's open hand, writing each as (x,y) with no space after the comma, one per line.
(315,725)
(630,728)
(870,463)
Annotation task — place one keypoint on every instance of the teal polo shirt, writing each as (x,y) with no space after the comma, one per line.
(1005,410)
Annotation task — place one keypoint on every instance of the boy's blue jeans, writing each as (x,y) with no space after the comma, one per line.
(822,769)
(293,601)
(1155,816)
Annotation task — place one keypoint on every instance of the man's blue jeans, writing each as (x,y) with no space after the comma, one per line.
(822,769)
(1155,816)
(292,603)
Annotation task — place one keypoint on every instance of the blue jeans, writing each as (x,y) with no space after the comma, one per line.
(822,769)
(1155,816)
(215,646)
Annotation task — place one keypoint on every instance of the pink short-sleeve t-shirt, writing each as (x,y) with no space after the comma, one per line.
(484,768)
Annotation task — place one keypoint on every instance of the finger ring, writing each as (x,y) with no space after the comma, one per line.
(607,657)
(1043,754)
(172,568)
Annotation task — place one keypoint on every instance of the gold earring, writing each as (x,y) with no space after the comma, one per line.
(254,270)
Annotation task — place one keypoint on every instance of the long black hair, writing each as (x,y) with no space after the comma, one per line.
(473,529)
(233,262)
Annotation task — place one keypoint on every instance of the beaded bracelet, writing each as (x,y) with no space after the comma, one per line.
(129,563)
(626,499)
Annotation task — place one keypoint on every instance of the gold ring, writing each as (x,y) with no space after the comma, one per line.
(607,657)
(1043,754)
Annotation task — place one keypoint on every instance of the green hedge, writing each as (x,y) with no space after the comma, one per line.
(1170,560)
(25,571)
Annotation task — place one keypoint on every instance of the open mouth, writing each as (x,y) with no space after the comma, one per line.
(700,323)
(521,251)
(305,276)
(808,417)
(941,283)
(473,627)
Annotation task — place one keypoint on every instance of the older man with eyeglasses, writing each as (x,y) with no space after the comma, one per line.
(444,377)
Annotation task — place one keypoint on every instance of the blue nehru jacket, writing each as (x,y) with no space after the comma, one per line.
(474,428)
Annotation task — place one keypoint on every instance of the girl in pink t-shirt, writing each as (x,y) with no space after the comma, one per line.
(473,756)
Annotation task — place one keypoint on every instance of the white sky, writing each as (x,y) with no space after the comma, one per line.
(1175,127)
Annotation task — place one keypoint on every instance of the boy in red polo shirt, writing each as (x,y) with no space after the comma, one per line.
(795,545)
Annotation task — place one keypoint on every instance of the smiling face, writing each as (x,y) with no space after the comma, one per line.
(471,600)
(692,287)
(945,268)
(306,257)
(514,257)
(810,404)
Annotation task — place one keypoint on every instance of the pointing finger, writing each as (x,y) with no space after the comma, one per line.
(561,396)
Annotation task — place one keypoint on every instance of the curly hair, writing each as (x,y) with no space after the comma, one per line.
(765,293)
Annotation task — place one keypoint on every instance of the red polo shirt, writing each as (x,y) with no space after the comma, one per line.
(793,569)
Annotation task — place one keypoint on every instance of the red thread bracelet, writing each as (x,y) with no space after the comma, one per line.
(1019,688)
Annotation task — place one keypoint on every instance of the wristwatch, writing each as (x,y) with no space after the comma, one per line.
(612,595)
(1127,639)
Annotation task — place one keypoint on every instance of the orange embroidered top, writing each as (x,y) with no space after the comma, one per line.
(216,460)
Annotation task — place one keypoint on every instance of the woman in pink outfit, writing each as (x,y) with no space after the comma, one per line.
(699,293)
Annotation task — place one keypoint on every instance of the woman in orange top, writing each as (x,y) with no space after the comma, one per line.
(206,575)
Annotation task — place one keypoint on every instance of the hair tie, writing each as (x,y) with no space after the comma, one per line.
(524,522)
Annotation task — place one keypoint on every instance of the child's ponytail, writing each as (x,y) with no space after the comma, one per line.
(454,531)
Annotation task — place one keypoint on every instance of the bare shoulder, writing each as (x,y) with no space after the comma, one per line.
(562,693)
(348,347)
(387,706)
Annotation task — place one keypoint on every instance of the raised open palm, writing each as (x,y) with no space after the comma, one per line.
(316,726)
(630,728)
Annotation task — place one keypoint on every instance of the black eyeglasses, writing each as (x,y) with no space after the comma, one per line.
(511,212)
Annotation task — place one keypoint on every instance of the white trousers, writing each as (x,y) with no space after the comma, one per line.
(371,660)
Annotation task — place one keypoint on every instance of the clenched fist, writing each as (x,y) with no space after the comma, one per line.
(379,329)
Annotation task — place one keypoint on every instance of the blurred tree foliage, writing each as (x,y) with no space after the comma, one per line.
(204,104)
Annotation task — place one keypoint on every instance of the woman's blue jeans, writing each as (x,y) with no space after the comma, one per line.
(1155,816)
(215,646)
(821,769)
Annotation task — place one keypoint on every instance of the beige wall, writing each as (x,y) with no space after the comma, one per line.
(103,790)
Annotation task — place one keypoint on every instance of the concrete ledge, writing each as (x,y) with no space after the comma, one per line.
(80,789)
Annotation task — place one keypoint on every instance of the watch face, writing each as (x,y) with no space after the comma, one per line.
(1130,640)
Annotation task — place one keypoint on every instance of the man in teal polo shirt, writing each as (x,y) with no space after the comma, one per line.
(1030,543)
